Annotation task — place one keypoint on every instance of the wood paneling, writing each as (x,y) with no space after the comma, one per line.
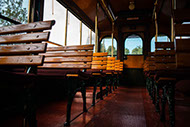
(36,26)
(134,62)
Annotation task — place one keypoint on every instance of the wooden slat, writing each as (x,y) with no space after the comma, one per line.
(36,26)
(182,29)
(67,59)
(110,62)
(110,65)
(99,67)
(24,38)
(150,58)
(111,59)
(70,48)
(75,66)
(183,60)
(21,60)
(164,52)
(98,63)
(169,66)
(99,58)
(164,45)
(68,54)
(23,49)
(150,53)
(165,60)
(100,54)
(183,45)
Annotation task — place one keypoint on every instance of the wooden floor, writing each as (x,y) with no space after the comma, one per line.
(125,107)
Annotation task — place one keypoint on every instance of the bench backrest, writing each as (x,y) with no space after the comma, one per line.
(165,56)
(99,61)
(182,53)
(110,63)
(149,64)
(117,65)
(78,57)
(20,44)
(121,66)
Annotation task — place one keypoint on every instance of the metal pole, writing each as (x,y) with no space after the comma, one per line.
(80,32)
(96,28)
(52,7)
(112,38)
(172,20)
(90,36)
(66,25)
(156,25)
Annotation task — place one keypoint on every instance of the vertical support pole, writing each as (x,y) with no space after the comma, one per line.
(173,4)
(80,32)
(90,36)
(156,25)
(112,38)
(52,7)
(66,25)
(96,28)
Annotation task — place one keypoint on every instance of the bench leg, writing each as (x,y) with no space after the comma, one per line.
(101,91)
(157,104)
(162,115)
(83,91)
(72,84)
(94,94)
(171,103)
(30,106)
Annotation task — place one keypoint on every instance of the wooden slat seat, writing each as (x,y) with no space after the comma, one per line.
(20,46)
(68,63)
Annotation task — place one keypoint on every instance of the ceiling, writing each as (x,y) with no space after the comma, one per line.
(141,15)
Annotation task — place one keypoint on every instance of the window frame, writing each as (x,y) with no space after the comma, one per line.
(142,45)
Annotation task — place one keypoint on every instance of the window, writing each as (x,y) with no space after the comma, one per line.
(161,38)
(106,46)
(14,9)
(133,45)
(58,30)
(85,35)
(93,40)
(73,31)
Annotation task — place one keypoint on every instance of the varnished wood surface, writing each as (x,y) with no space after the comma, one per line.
(134,62)
(66,65)
(183,60)
(71,48)
(21,60)
(22,49)
(68,54)
(100,54)
(164,45)
(36,26)
(182,29)
(182,45)
(67,59)
(165,52)
(25,38)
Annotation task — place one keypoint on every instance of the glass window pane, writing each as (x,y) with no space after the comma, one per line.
(73,31)
(106,46)
(133,45)
(93,40)
(14,9)
(85,35)
(161,38)
(58,30)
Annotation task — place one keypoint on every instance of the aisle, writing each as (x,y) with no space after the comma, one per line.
(123,108)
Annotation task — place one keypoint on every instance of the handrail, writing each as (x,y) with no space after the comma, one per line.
(9,19)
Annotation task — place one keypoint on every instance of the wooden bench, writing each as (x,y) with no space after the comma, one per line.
(68,63)
(99,64)
(20,46)
(110,73)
